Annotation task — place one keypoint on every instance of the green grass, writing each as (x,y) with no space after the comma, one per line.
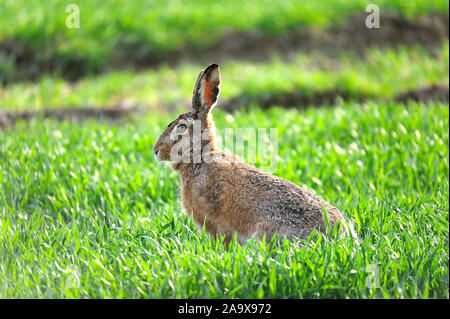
(92,197)
(381,75)
(151,28)
(89,201)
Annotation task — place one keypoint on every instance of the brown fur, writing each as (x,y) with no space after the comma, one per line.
(229,196)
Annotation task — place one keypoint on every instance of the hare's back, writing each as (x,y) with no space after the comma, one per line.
(284,203)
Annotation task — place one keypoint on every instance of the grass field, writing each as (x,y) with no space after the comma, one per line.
(382,75)
(86,211)
(36,30)
(92,199)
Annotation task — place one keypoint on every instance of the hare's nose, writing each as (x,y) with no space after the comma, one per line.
(156,151)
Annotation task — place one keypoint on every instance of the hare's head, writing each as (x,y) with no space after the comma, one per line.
(186,137)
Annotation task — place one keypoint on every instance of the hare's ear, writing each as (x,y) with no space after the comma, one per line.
(206,90)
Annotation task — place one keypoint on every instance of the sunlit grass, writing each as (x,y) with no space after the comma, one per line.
(91,198)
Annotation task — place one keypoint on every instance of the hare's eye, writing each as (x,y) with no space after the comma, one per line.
(181,128)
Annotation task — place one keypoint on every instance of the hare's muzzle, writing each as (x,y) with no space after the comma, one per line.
(161,152)
(156,154)
(156,151)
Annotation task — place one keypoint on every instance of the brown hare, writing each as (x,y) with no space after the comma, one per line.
(228,196)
